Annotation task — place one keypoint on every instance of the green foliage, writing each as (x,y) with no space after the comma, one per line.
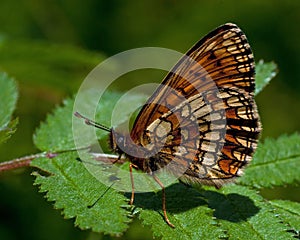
(46,73)
(8,100)
(73,189)
(68,182)
(243,213)
(40,63)
(8,130)
(59,124)
(289,213)
(56,133)
(275,163)
(188,210)
(233,212)
(264,74)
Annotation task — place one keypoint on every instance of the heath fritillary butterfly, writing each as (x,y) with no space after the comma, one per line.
(212,88)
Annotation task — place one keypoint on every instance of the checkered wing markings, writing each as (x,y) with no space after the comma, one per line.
(209,144)
(223,58)
(179,132)
(242,132)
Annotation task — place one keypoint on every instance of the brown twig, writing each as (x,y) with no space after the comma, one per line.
(20,162)
(26,160)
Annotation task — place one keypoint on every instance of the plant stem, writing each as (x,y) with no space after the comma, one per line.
(26,160)
(20,162)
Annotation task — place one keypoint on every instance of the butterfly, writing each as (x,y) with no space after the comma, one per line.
(202,122)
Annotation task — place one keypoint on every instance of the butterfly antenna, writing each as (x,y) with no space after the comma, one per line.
(91,122)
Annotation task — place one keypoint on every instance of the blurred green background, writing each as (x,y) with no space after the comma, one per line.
(50,46)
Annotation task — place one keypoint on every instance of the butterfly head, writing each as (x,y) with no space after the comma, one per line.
(122,143)
(117,141)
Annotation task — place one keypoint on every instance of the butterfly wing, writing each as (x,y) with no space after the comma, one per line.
(224,56)
(213,140)
(203,118)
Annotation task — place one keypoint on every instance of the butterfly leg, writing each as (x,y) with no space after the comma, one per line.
(132,184)
(163,201)
(117,160)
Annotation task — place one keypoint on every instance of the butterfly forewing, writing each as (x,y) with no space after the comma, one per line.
(203,118)
(224,56)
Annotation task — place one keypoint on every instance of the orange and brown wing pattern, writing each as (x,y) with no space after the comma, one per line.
(241,133)
(206,141)
(202,122)
(223,58)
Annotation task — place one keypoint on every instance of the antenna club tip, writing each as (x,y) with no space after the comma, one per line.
(77,114)
(91,122)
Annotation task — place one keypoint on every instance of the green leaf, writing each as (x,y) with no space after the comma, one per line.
(241,212)
(56,133)
(67,182)
(275,163)
(8,100)
(289,213)
(264,74)
(187,210)
(8,130)
(72,188)
(233,212)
